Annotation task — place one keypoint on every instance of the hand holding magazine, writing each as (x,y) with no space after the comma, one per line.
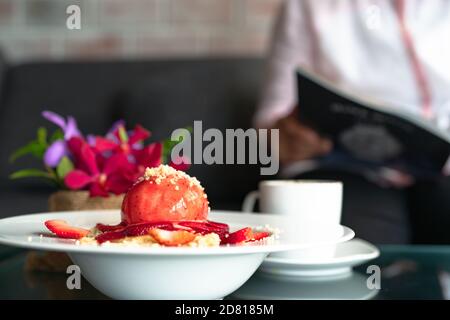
(370,136)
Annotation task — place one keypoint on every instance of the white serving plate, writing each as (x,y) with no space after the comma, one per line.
(157,272)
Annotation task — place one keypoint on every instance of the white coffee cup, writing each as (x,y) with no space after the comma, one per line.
(313,207)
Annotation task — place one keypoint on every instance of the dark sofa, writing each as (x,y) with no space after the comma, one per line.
(162,95)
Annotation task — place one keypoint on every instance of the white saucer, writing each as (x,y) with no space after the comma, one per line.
(346,256)
(268,287)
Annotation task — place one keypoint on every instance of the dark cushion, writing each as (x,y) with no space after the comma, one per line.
(221,95)
(161,95)
(3,67)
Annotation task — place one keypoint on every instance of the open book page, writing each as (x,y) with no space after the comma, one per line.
(367,134)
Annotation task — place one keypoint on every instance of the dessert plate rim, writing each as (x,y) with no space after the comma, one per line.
(33,240)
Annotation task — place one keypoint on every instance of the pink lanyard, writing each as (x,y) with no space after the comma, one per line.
(419,73)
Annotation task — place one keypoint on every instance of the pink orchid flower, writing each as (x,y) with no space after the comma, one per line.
(99,174)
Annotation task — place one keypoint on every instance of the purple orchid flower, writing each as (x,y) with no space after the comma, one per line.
(90,138)
(110,134)
(121,123)
(58,149)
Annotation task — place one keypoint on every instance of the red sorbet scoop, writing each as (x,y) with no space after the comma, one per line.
(162,194)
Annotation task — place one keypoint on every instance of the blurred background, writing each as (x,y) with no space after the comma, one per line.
(160,63)
(36,29)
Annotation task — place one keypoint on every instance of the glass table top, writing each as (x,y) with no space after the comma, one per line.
(407,272)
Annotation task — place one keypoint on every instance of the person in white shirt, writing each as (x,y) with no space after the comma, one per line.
(397,51)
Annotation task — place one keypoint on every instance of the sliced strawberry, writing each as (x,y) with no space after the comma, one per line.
(218,225)
(242,235)
(106,228)
(110,236)
(64,230)
(260,235)
(139,229)
(205,227)
(172,238)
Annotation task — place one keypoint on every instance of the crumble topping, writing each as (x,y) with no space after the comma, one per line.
(200,241)
(162,172)
(207,240)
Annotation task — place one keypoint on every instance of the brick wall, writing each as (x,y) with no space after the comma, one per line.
(36,29)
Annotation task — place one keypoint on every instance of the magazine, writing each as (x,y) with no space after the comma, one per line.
(368,135)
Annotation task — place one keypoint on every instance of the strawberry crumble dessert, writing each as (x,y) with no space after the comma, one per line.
(165,207)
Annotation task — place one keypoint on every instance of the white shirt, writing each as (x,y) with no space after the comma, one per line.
(397,51)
